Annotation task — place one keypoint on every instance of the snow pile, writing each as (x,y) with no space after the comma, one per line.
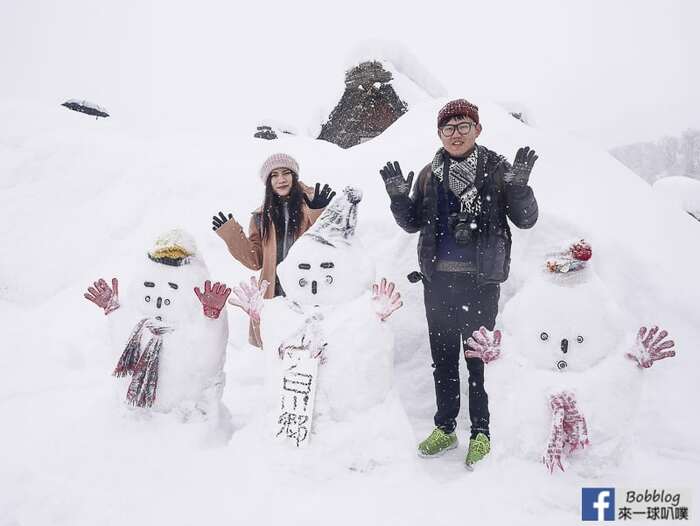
(412,81)
(682,192)
(78,201)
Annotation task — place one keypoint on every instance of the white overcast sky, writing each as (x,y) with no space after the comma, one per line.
(610,72)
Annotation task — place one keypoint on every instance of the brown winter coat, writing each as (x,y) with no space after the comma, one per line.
(257,254)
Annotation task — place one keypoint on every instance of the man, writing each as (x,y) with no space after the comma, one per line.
(459,204)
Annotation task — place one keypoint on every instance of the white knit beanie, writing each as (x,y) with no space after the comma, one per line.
(278,160)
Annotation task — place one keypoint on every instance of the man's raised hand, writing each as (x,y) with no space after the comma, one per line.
(396,185)
(519,173)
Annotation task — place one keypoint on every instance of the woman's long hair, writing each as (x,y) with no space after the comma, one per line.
(273,214)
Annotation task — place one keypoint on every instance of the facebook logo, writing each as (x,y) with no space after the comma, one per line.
(598,504)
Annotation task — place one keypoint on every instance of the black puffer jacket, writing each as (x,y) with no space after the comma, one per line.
(420,212)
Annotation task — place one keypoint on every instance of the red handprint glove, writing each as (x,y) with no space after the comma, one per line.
(651,347)
(484,344)
(557,435)
(386,300)
(104,297)
(575,427)
(213,298)
(250,297)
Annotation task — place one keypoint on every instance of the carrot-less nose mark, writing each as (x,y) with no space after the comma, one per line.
(159,302)
(314,287)
(564,345)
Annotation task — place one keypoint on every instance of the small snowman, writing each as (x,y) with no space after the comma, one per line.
(169,342)
(570,378)
(332,313)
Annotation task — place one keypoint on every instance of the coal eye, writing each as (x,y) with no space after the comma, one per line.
(167,302)
(579,339)
(303,282)
(329,279)
(544,336)
(147,298)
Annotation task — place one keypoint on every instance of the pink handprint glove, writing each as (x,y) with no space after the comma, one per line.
(386,300)
(104,297)
(651,347)
(213,298)
(249,297)
(484,344)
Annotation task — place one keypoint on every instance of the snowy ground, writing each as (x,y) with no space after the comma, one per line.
(82,199)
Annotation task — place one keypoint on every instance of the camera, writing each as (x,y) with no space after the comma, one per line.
(463,227)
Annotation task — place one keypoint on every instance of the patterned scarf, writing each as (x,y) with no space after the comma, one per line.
(460,178)
(142,365)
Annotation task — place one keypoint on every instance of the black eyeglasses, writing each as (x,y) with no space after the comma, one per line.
(464,128)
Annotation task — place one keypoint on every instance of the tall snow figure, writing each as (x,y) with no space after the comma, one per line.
(169,336)
(332,312)
(570,374)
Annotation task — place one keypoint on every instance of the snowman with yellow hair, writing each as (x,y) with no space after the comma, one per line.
(169,331)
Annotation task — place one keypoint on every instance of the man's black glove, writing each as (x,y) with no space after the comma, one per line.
(519,174)
(220,220)
(396,185)
(321,199)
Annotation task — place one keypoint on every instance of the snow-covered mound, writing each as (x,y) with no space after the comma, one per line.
(682,192)
(412,80)
(79,198)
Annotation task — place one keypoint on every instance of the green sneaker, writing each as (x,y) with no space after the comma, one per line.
(437,443)
(479,447)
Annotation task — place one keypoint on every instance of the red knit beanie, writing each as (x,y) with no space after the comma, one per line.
(456,108)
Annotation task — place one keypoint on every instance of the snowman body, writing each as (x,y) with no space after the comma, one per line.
(328,308)
(561,337)
(191,360)
(356,362)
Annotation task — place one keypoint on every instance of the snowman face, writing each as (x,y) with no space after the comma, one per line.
(564,350)
(166,292)
(562,328)
(317,274)
(158,298)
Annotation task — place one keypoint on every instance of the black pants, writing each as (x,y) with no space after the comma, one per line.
(455,307)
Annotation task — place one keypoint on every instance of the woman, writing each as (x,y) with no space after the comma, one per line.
(289,209)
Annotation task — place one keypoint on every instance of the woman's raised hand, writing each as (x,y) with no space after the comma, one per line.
(220,220)
(321,198)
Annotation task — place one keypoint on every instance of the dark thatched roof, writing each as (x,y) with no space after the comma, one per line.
(368,106)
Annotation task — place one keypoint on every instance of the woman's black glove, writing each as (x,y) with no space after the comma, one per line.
(396,185)
(321,199)
(220,220)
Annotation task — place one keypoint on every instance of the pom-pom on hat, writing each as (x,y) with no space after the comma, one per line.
(278,160)
(174,248)
(456,108)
